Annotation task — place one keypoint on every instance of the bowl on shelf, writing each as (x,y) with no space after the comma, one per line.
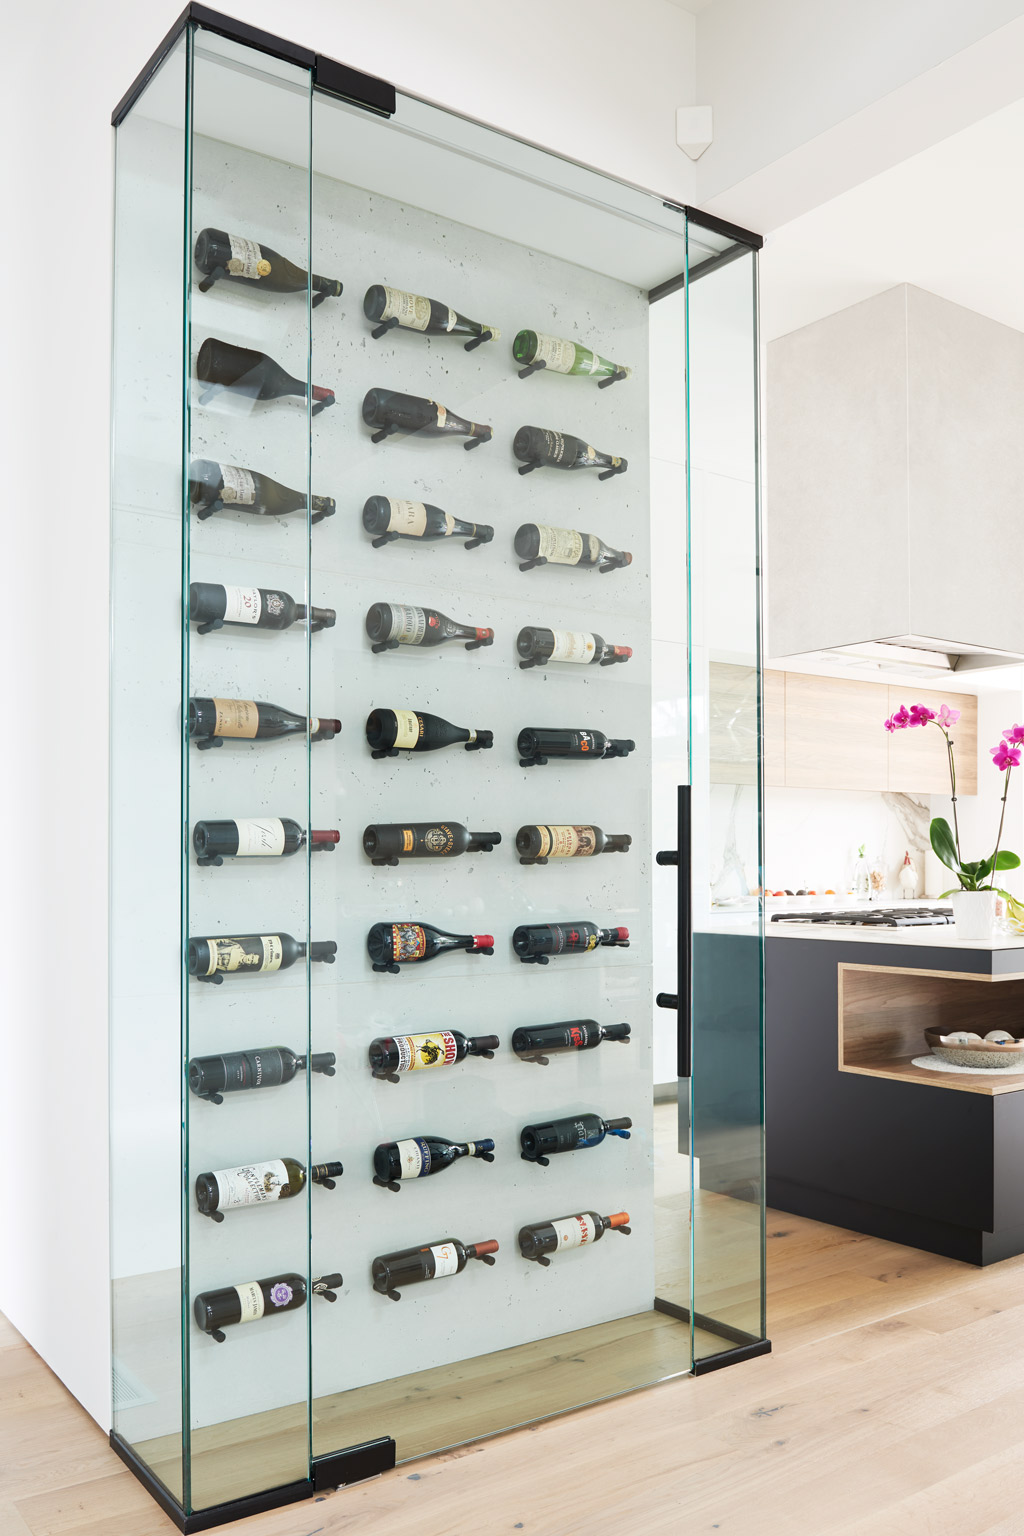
(964,1048)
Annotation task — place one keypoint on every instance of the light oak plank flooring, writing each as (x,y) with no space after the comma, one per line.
(893,1405)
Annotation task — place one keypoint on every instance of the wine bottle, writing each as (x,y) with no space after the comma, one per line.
(540,1238)
(237,259)
(539,351)
(390,625)
(531,1042)
(534,942)
(573,1133)
(537,844)
(431,1262)
(212,721)
(420,1157)
(389,412)
(251,954)
(536,647)
(540,545)
(258,1184)
(389,519)
(211,606)
(212,485)
(389,731)
(263,837)
(390,945)
(221,365)
(254,1299)
(388,307)
(210,1077)
(391,1054)
(537,743)
(537,446)
(388,842)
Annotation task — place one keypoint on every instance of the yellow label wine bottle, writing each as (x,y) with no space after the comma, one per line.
(539,545)
(389,307)
(537,844)
(240,259)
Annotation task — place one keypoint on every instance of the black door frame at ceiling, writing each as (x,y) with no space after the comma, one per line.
(356,1463)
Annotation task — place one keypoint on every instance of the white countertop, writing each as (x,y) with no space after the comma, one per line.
(925,938)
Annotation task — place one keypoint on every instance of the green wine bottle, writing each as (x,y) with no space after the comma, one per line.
(536,350)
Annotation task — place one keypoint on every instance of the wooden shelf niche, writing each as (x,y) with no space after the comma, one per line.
(885,1010)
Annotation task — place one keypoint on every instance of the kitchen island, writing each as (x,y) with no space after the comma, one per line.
(858,1136)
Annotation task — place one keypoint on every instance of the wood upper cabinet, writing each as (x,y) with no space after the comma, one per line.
(828,733)
(918,762)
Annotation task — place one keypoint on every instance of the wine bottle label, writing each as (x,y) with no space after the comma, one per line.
(442,414)
(262,953)
(438,840)
(252,1184)
(408,625)
(566,842)
(408,728)
(415,1155)
(409,309)
(559,356)
(260,839)
(246,258)
(554,449)
(410,518)
(472,735)
(242,605)
(446,1260)
(239,487)
(562,546)
(574,1231)
(250,1297)
(418,1051)
(573,645)
(408,941)
(236,717)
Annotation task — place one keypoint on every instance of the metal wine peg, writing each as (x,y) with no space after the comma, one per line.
(474,442)
(211,1098)
(485,1258)
(524,373)
(478,341)
(614,563)
(215,980)
(382,329)
(207,743)
(209,861)
(620,373)
(624,1230)
(538,860)
(206,512)
(217,1336)
(384,645)
(319,297)
(381,862)
(526,469)
(531,762)
(480,745)
(209,393)
(528,565)
(213,1215)
(474,645)
(542,1061)
(533,959)
(616,469)
(393,1295)
(380,752)
(385,538)
(392,970)
(540,1258)
(488,949)
(481,538)
(534,661)
(204,629)
(383,432)
(387,1184)
(527,1158)
(321,405)
(609,661)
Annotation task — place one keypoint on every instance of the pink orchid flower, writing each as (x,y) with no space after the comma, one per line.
(901,719)
(1015,735)
(1004,756)
(890,725)
(947,717)
(920,714)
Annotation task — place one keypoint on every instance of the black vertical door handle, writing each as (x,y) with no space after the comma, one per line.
(680,999)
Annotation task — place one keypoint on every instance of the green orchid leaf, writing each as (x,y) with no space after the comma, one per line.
(943,844)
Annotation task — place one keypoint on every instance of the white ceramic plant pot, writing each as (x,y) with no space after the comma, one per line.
(974,914)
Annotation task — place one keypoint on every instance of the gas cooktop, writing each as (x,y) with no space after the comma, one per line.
(873,917)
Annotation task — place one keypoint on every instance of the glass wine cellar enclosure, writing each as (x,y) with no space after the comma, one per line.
(435,781)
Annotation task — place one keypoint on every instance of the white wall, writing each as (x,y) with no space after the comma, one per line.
(593,79)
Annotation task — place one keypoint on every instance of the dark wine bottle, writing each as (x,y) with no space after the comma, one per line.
(539,351)
(431,1262)
(390,731)
(212,721)
(221,365)
(254,1299)
(388,842)
(537,844)
(388,307)
(537,446)
(210,1077)
(536,647)
(237,259)
(420,1157)
(390,1055)
(258,1184)
(536,1042)
(389,412)
(573,1133)
(540,1238)
(389,519)
(534,942)
(390,945)
(390,625)
(263,837)
(211,606)
(537,743)
(537,544)
(251,954)
(212,485)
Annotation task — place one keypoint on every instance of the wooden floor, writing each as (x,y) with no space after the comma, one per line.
(893,1405)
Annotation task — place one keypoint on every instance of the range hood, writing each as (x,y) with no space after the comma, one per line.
(895,489)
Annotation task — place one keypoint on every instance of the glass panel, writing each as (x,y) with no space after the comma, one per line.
(245,866)
(145,686)
(726,1094)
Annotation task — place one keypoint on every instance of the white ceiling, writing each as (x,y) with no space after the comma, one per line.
(950,219)
(693,6)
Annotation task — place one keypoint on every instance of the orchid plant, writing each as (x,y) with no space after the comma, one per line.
(979,875)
